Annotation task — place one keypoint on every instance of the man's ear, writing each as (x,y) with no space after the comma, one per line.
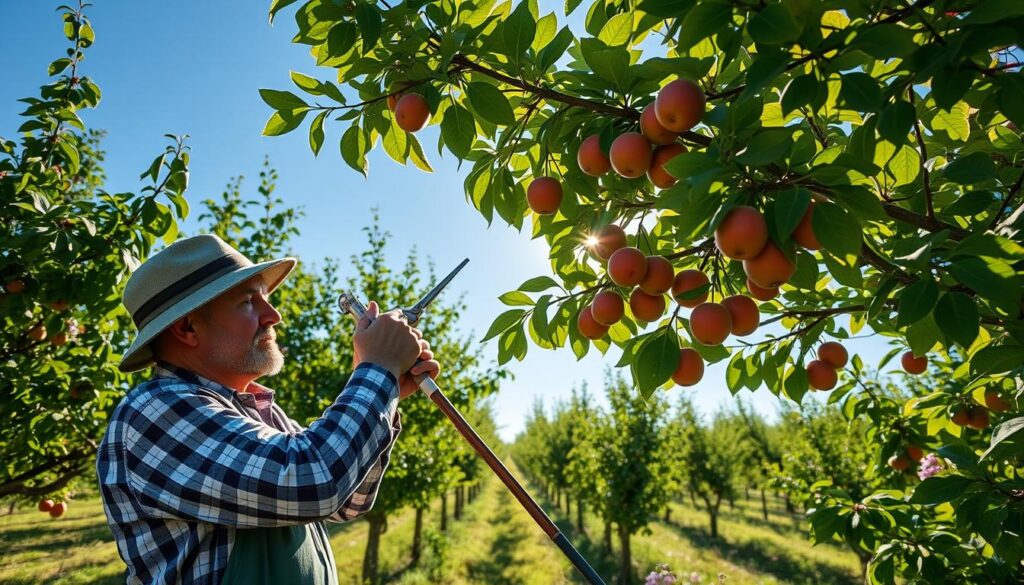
(184,332)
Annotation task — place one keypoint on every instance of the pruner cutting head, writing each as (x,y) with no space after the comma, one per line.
(352,305)
(413,313)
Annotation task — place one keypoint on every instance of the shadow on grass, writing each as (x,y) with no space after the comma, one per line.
(510,537)
(52,538)
(764,557)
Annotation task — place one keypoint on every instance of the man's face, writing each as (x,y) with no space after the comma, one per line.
(236,330)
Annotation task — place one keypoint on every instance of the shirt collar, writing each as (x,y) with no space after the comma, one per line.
(255,391)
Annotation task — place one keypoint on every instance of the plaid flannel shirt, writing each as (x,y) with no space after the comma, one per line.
(185,461)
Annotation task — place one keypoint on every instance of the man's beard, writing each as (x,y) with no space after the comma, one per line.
(264,357)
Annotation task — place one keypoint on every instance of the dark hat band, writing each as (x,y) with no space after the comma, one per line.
(183,286)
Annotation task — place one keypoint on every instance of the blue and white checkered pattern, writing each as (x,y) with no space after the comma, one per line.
(185,461)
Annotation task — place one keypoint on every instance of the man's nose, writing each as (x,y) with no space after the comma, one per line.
(269,315)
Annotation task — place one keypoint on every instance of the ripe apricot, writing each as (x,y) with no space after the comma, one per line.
(37,333)
(653,130)
(690,369)
(609,239)
(961,416)
(744,312)
(393,101)
(899,462)
(657,174)
(679,105)
(591,159)
(58,509)
(977,417)
(658,278)
(761,294)
(742,234)
(45,505)
(686,283)
(412,112)
(646,307)
(710,323)
(607,308)
(631,155)
(59,339)
(915,452)
(588,327)
(914,365)
(544,195)
(995,402)
(803,234)
(59,305)
(770,268)
(16,286)
(627,266)
(833,353)
(821,375)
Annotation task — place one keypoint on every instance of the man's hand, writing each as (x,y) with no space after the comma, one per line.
(406,380)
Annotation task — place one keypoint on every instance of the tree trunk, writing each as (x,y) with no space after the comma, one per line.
(693,498)
(789,504)
(764,506)
(371,568)
(444,512)
(458,503)
(10,508)
(668,513)
(626,568)
(607,537)
(747,490)
(417,536)
(732,504)
(579,515)
(713,513)
(568,511)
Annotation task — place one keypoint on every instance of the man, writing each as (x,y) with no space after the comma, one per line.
(204,479)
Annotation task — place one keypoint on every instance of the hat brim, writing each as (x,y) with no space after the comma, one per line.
(140,356)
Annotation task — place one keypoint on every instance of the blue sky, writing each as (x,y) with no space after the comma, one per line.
(195,68)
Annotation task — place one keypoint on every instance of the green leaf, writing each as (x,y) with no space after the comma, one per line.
(860,92)
(459,130)
(59,65)
(773,25)
(554,50)
(788,209)
(1004,433)
(953,122)
(767,66)
(970,169)
(950,85)
(354,146)
(796,384)
(997,359)
(503,322)
(283,122)
(417,156)
(896,120)
(1010,97)
(369,21)
(767,147)
(515,297)
(618,30)
(537,284)
(518,30)
(276,5)
(490,103)
(956,314)
(657,360)
(917,301)
(837,230)
(940,489)
(283,101)
(316,132)
(992,278)
(923,335)
(885,40)
(702,21)
(799,92)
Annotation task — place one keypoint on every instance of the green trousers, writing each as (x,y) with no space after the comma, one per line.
(286,555)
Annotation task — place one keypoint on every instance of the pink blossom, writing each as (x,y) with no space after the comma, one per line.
(930,465)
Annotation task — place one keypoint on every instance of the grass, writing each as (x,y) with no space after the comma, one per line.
(496,542)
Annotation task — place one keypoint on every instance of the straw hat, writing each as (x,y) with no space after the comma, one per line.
(181,278)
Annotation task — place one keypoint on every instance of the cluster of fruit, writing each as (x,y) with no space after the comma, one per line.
(56,509)
(38,331)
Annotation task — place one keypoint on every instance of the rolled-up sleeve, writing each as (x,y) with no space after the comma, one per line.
(191,457)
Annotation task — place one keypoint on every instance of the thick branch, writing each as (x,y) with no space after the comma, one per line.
(557,96)
(15,485)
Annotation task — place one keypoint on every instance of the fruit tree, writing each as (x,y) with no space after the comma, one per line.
(854,166)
